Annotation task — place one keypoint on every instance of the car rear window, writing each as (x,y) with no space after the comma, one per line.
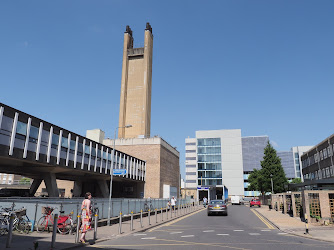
(217,202)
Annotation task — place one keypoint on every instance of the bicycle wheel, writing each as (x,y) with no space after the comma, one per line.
(3,226)
(65,227)
(23,226)
(42,224)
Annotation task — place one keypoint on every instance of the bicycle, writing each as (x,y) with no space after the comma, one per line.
(23,223)
(64,223)
(148,207)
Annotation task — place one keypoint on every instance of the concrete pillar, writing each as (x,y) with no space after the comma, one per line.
(77,188)
(34,186)
(104,188)
(293,204)
(324,205)
(306,204)
(51,184)
(285,207)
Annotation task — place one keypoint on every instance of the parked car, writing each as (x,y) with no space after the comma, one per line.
(217,207)
(255,202)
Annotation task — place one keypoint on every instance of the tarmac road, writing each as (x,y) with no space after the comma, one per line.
(242,229)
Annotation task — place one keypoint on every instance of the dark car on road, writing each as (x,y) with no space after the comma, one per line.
(217,207)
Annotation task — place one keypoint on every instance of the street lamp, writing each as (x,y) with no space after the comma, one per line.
(112,169)
(272,186)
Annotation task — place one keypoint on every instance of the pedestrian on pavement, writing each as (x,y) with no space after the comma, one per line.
(173,203)
(86,216)
(205,200)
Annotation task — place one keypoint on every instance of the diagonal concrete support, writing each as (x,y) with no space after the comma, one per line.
(104,188)
(34,186)
(51,184)
(77,189)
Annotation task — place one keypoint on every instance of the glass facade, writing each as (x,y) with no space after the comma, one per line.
(209,162)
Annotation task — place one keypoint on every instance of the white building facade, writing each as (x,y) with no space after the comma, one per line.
(214,163)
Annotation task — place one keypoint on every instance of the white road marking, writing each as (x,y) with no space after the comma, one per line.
(265,230)
(223,234)
(208,231)
(149,238)
(237,230)
(187,236)
(254,234)
(139,234)
(282,233)
(176,232)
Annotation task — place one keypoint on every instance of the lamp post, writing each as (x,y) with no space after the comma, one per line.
(112,169)
(272,186)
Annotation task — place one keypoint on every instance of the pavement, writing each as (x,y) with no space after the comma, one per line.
(24,241)
(295,226)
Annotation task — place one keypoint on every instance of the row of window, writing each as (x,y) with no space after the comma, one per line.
(319,156)
(208,142)
(320,174)
(209,174)
(50,143)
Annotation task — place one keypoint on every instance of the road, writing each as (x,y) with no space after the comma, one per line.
(242,229)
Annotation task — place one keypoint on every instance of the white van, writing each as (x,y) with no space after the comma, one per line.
(235,199)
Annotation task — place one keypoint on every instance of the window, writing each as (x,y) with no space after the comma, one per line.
(323,173)
(190,151)
(325,153)
(191,143)
(327,172)
(329,151)
(55,141)
(21,128)
(190,166)
(190,158)
(332,170)
(33,136)
(321,155)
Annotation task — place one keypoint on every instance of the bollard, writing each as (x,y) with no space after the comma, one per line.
(162,215)
(167,212)
(10,230)
(54,231)
(120,223)
(78,228)
(156,216)
(141,217)
(131,225)
(95,226)
(171,212)
(306,224)
(149,217)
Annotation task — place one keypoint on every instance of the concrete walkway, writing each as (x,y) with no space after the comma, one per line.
(23,241)
(295,226)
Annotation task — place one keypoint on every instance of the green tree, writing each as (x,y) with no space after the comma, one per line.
(260,180)
(296,180)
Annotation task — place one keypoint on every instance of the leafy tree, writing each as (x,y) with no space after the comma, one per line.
(296,180)
(25,180)
(260,180)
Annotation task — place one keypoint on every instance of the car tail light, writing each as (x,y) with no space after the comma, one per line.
(210,206)
(223,205)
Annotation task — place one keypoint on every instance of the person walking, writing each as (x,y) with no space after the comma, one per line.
(86,216)
(173,203)
(205,200)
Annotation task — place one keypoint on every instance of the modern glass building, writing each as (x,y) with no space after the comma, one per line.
(219,162)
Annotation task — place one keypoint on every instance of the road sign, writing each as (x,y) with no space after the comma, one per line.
(119,172)
(203,188)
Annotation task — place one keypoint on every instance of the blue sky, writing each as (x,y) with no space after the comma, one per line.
(266,67)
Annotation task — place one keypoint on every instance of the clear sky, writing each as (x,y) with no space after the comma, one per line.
(265,67)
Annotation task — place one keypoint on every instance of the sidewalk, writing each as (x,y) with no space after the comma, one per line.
(295,226)
(22,241)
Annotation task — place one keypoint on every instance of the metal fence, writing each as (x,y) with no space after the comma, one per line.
(34,206)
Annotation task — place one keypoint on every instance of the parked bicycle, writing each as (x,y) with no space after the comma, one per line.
(23,223)
(64,224)
(148,206)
